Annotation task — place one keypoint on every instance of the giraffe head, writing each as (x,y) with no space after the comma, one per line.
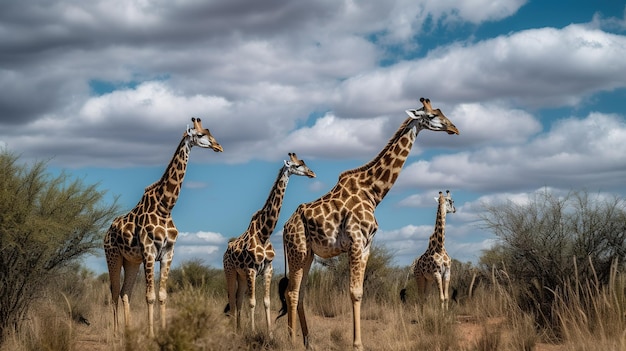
(298,167)
(201,137)
(449,203)
(433,119)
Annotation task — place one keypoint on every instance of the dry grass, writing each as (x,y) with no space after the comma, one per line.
(591,318)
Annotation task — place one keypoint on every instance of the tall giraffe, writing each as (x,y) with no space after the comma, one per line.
(434,264)
(147,233)
(252,252)
(343,221)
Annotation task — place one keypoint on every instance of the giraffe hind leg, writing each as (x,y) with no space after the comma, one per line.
(231,286)
(242,286)
(114,265)
(130,275)
(302,291)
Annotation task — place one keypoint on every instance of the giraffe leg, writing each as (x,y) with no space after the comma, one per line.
(242,286)
(440,288)
(295,294)
(114,263)
(292,295)
(267,275)
(422,290)
(446,287)
(130,275)
(231,286)
(164,274)
(358,262)
(302,291)
(150,293)
(251,280)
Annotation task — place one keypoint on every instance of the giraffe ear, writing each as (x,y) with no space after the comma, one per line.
(436,199)
(413,113)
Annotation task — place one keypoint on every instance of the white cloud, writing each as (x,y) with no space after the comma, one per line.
(200,238)
(537,67)
(148,103)
(575,152)
(332,137)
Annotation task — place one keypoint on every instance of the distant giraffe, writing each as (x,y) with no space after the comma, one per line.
(342,221)
(434,264)
(147,233)
(252,252)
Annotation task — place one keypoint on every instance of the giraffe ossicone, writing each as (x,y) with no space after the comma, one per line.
(343,221)
(147,233)
(252,253)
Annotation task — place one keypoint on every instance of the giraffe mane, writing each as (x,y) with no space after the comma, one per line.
(401,131)
(165,175)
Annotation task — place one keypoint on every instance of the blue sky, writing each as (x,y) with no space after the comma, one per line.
(105,89)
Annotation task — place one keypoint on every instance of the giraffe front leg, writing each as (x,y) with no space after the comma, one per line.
(267,275)
(440,287)
(164,274)
(358,262)
(150,294)
(446,287)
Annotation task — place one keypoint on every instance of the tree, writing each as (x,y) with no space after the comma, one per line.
(377,273)
(550,240)
(46,223)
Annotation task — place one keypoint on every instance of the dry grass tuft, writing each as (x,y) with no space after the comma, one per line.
(591,317)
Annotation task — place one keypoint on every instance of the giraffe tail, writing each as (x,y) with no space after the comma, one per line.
(282,288)
(406,282)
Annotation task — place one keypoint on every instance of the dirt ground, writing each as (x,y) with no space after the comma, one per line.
(336,329)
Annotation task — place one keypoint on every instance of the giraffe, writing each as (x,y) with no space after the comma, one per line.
(434,264)
(147,233)
(252,252)
(343,221)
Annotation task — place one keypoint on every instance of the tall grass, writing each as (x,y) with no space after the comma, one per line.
(593,316)
(590,316)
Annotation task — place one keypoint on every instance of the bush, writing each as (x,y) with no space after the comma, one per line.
(380,283)
(550,239)
(46,224)
(195,274)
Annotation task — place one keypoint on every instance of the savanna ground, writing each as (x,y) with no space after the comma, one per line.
(488,320)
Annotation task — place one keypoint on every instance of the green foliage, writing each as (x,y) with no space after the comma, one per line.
(46,223)
(550,239)
(194,274)
(379,274)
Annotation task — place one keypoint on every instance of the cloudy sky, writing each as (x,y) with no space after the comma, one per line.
(105,89)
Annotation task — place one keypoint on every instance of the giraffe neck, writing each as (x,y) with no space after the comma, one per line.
(264,220)
(166,190)
(436,241)
(378,176)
